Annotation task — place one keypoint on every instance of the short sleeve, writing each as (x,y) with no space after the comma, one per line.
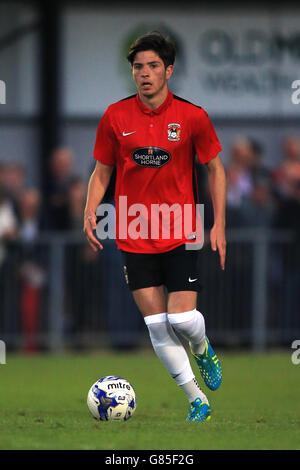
(205,139)
(105,143)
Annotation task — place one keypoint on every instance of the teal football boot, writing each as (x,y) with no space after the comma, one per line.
(199,411)
(209,366)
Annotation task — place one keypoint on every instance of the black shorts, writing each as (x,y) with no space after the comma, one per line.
(177,270)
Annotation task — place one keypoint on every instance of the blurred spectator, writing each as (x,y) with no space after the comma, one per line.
(76,197)
(258,170)
(32,280)
(287,173)
(62,173)
(83,263)
(32,274)
(29,214)
(13,178)
(258,209)
(239,182)
(81,304)
(8,222)
(249,195)
(8,231)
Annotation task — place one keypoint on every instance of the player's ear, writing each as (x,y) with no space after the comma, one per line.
(169,71)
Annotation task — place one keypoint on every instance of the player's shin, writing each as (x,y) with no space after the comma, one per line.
(172,354)
(191,325)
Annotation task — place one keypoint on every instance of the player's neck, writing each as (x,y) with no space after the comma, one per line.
(154,102)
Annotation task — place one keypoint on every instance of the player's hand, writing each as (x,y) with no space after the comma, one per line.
(90,225)
(218,242)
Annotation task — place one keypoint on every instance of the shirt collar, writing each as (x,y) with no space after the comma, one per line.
(158,110)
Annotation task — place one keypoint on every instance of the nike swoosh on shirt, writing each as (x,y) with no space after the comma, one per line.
(128,133)
(192,280)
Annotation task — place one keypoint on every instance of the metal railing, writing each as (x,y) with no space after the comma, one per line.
(56,293)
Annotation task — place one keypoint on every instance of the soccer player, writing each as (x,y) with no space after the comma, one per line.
(152,138)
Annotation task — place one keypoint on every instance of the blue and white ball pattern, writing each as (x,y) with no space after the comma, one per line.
(111,398)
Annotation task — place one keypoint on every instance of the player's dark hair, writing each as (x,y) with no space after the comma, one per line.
(154,41)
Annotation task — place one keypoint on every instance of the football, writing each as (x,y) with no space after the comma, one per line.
(111,398)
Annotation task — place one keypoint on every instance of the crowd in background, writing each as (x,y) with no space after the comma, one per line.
(257,195)
(260,196)
(24,212)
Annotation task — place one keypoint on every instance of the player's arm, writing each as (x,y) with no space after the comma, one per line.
(217,186)
(97,186)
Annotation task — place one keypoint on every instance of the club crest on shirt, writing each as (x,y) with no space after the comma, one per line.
(174,131)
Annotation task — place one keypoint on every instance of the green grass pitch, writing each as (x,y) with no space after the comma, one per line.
(43,404)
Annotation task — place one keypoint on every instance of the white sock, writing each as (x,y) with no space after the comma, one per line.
(169,348)
(193,391)
(191,325)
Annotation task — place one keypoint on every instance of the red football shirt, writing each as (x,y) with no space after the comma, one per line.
(154,153)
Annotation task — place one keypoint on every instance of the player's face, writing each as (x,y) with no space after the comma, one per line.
(150,74)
